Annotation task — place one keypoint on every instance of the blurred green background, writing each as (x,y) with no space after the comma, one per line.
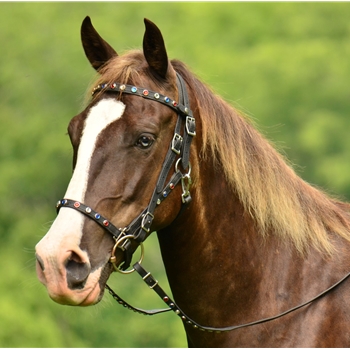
(284,64)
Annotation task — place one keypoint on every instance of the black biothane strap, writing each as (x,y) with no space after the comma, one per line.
(153,284)
(182,109)
(141,223)
(92,214)
(122,302)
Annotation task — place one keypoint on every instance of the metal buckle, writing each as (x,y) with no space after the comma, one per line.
(190,124)
(152,279)
(113,259)
(121,235)
(177,140)
(186,196)
(149,217)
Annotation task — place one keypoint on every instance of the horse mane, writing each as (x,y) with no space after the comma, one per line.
(276,197)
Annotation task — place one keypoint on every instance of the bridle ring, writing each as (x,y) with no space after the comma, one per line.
(113,258)
(177,167)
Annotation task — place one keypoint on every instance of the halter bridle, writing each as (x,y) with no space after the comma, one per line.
(178,156)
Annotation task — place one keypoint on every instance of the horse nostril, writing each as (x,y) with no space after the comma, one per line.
(77,272)
(40,262)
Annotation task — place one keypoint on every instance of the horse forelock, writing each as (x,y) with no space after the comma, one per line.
(276,197)
(129,68)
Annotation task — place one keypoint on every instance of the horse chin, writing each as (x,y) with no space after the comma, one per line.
(85,297)
(91,294)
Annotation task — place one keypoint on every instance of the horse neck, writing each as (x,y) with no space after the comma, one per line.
(208,244)
(220,268)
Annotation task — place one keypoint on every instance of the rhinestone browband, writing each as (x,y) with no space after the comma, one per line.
(151,95)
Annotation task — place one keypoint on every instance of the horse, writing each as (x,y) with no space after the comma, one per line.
(254,255)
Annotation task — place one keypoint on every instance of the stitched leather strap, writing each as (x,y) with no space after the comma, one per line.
(153,284)
(132,308)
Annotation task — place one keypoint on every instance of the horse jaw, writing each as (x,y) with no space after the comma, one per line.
(61,244)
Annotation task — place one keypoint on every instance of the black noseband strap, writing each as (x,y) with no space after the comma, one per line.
(92,214)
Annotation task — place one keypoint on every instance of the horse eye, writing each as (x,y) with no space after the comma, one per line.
(145,142)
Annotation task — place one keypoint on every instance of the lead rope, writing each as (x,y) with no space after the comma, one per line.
(153,284)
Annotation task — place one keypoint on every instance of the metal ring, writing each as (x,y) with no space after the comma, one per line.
(113,258)
(177,167)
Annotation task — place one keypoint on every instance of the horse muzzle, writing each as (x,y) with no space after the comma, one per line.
(67,275)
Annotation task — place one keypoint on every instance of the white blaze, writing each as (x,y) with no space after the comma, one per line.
(100,116)
(66,231)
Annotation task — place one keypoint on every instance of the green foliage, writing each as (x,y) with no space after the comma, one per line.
(285,64)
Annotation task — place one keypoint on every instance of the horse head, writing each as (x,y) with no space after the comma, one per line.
(123,168)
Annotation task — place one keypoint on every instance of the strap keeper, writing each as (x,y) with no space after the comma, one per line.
(176,143)
(150,280)
(190,126)
(147,221)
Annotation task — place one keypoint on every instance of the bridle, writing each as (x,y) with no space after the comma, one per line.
(177,157)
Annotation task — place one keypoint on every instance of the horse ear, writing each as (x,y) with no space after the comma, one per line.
(154,49)
(96,49)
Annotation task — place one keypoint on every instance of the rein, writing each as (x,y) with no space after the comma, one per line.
(138,230)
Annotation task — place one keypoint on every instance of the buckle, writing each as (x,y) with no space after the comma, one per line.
(186,184)
(176,143)
(113,258)
(150,280)
(191,126)
(121,238)
(147,221)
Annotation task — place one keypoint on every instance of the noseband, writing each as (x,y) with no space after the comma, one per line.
(178,155)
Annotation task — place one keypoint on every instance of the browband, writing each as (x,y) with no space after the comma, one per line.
(182,109)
